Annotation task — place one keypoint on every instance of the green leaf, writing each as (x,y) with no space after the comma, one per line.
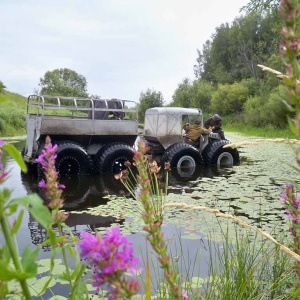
(18,223)
(3,289)
(28,260)
(47,282)
(7,273)
(82,291)
(36,207)
(5,195)
(16,155)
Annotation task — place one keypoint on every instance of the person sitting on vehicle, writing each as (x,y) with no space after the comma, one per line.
(215,121)
(194,132)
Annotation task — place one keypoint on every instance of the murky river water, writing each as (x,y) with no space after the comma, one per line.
(250,191)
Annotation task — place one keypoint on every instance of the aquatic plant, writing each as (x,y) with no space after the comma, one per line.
(109,258)
(151,195)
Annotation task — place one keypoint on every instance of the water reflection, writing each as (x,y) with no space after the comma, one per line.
(83,192)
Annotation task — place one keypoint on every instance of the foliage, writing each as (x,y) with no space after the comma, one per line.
(148,99)
(196,94)
(267,110)
(261,5)
(2,87)
(63,82)
(245,261)
(229,99)
(12,114)
(236,49)
(183,94)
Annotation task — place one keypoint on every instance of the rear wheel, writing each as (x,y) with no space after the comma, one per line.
(215,154)
(72,159)
(111,160)
(184,157)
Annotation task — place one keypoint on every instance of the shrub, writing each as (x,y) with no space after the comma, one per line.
(229,99)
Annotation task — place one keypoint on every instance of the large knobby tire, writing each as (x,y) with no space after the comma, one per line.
(112,158)
(184,157)
(215,154)
(72,159)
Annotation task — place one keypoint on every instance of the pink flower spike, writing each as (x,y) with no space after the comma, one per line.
(184,295)
(42,184)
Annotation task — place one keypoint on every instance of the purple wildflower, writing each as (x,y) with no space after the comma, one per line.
(42,184)
(109,258)
(184,295)
(53,189)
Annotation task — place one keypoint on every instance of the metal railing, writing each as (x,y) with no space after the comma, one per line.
(76,107)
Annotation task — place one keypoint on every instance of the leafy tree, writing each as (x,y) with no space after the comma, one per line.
(268,109)
(236,49)
(201,95)
(229,98)
(148,99)
(63,82)
(261,5)
(2,87)
(183,94)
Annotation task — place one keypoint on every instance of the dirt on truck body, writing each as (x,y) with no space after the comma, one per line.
(97,136)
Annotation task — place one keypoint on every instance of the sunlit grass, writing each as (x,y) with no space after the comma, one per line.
(268,132)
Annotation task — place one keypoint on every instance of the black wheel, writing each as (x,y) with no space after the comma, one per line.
(215,154)
(184,157)
(72,159)
(111,159)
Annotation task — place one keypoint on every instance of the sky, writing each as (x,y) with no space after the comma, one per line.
(122,47)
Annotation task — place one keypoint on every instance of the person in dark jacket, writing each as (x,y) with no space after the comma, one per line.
(215,122)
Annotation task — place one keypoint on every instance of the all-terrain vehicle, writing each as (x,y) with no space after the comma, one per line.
(99,135)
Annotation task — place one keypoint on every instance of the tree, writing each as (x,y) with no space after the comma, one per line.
(150,98)
(63,82)
(201,95)
(229,99)
(2,87)
(236,49)
(183,94)
(261,5)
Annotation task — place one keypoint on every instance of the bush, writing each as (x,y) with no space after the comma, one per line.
(267,110)
(229,99)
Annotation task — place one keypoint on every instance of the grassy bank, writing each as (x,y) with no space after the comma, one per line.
(12,114)
(267,132)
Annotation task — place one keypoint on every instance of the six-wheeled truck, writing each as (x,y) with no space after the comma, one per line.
(97,136)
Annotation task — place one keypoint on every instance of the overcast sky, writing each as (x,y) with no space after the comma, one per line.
(122,47)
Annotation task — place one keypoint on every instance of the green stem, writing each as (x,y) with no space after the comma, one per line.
(14,253)
(65,260)
(73,295)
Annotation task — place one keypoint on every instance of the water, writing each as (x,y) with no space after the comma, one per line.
(250,191)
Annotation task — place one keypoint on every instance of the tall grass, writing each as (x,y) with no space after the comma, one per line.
(236,123)
(246,266)
(12,114)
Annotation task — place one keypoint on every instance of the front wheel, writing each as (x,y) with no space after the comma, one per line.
(184,157)
(215,154)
